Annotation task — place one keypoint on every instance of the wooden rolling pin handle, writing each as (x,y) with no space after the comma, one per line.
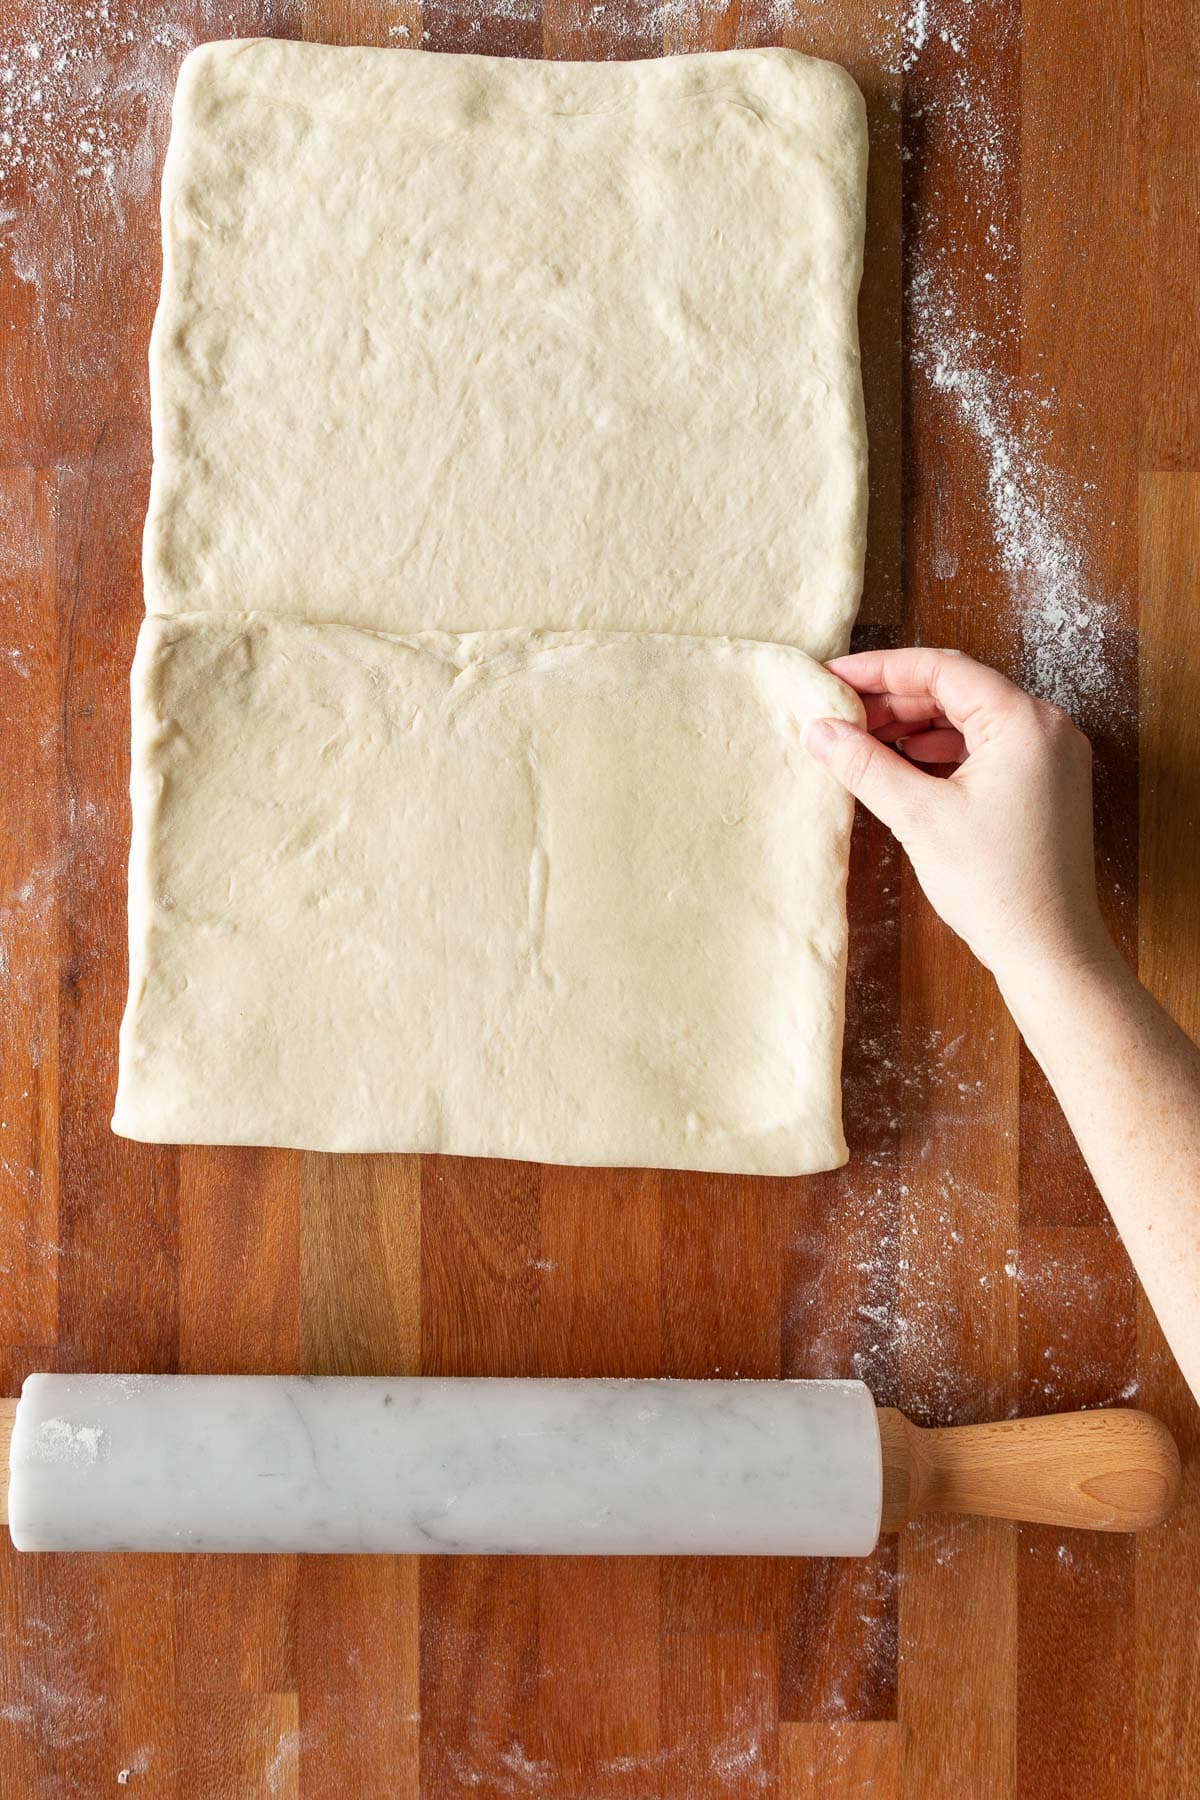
(1108,1470)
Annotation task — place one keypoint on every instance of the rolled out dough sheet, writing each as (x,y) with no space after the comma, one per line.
(458,342)
(566,897)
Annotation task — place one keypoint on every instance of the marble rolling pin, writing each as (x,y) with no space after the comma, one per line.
(774,1468)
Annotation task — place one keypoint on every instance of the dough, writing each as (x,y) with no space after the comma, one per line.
(448,341)
(563,356)
(556,896)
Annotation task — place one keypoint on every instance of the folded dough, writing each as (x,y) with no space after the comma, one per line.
(448,341)
(555,896)
(472,344)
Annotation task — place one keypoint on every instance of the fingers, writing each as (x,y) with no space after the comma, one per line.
(956,685)
(886,710)
(890,787)
(900,708)
(939,746)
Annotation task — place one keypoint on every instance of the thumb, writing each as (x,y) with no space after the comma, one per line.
(887,785)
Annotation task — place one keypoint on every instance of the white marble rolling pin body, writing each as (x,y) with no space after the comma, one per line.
(279,1463)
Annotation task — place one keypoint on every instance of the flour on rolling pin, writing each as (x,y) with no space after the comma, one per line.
(262,1463)
(58,1441)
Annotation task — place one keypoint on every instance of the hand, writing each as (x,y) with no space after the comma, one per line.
(1003,847)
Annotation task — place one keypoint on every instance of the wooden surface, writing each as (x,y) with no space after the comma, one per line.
(1034,181)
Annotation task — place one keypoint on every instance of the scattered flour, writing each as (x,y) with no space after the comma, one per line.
(672,23)
(283,1769)
(138,1764)
(914,33)
(530,1772)
(54,1716)
(84,92)
(742,1764)
(1039,519)
(1064,626)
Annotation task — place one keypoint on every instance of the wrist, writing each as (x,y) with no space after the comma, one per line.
(1045,974)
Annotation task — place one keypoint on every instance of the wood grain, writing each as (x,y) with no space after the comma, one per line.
(598,1725)
(1167,1566)
(1170,191)
(839,1762)
(239,1276)
(28,849)
(229,1747)
(720,1713)
(962,1262)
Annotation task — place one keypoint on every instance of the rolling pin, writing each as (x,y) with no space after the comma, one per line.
(763,1468)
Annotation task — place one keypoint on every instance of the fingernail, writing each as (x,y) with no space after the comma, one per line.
(820,738)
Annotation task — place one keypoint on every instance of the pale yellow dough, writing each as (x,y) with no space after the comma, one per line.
(549,354)
(448,341)
(519,894)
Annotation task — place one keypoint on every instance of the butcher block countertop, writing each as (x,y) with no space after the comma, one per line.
(1032,365)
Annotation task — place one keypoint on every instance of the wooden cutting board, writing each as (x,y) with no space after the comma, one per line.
(1035,499)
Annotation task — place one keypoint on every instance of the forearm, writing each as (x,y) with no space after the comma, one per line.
(1003,850)
(1128,1081)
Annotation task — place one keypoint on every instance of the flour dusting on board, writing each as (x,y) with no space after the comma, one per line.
(83,95)
(1064,627)
(1039,520)
(283,1770)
